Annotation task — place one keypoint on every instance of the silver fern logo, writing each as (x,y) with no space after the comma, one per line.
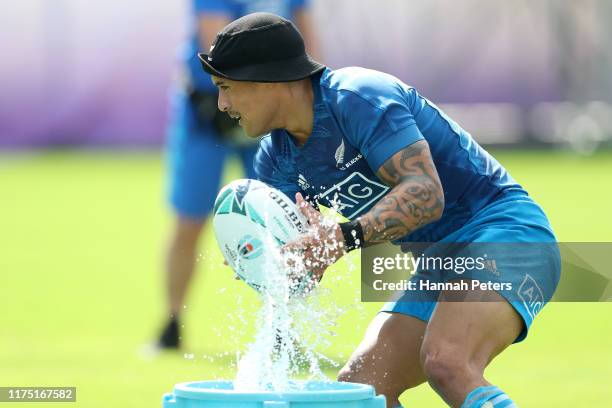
(339,156)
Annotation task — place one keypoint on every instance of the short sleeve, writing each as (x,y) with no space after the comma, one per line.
(213,6)
(377,120)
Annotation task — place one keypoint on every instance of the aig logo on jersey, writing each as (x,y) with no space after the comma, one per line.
(531,295)
(353,194)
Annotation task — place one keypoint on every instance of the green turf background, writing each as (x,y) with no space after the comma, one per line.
(82,236)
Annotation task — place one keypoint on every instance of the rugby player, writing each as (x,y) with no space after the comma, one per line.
(399,169)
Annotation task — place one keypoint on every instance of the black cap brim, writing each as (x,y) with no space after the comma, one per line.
(287,70)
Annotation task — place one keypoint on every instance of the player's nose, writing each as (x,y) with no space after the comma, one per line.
(222,102)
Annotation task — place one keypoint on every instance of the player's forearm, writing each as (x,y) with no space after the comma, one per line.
(409,206)
(416,199)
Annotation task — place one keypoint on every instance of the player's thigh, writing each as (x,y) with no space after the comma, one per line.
(467,335)
(388,355)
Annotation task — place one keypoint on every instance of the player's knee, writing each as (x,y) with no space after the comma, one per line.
(352,372)
(345,375)
(383,382)
(445,366)
(381,385)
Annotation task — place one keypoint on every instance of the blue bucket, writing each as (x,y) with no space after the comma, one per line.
(302,394)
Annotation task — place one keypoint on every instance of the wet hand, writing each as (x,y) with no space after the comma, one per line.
(321,246)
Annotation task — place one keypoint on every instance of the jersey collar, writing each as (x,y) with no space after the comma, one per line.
(318,109)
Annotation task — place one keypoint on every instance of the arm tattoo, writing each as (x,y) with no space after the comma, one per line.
(416,198)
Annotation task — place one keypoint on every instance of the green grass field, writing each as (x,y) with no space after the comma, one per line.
(82,237)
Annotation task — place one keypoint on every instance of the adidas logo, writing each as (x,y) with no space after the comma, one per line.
(302,182)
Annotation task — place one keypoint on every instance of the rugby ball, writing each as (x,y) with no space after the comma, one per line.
(252,221)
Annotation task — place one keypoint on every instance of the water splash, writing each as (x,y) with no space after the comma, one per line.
(292,324)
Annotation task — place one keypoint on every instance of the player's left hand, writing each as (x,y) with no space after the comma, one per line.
(321,246)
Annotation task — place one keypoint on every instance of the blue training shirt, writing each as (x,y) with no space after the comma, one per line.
(232,9)
(361,118)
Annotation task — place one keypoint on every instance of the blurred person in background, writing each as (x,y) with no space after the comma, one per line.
(200,138)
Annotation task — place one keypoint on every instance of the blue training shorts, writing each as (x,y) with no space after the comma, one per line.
(528,259)
(196,156)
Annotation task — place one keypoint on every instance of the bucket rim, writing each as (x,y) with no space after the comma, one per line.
(223,391)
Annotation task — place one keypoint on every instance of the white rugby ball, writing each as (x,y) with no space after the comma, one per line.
(251,221)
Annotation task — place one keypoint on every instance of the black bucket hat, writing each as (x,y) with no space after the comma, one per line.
(260,47)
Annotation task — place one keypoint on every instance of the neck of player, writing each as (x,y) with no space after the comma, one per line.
(298,112)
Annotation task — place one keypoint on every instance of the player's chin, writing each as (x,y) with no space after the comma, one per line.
(253,131)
